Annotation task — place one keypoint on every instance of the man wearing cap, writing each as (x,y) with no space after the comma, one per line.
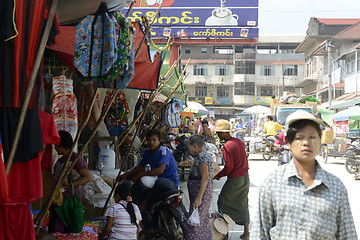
(300,200)
(233,199)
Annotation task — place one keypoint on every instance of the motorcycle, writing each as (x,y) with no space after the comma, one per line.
(168,215)
(267,147)
(180,152)
(284,155)
(352,157)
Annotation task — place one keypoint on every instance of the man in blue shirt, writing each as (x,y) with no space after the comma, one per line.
(240,129)
(163,165)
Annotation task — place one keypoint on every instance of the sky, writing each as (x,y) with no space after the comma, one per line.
(291,17)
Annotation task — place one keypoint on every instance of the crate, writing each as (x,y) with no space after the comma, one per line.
(327,137)
(353,133)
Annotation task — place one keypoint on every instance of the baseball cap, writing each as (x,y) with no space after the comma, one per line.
(301,115)
(222,126)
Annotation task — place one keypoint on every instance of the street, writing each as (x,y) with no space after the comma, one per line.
(260,168)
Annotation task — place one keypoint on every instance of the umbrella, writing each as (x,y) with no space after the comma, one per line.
(353,113)
(257,109)
(196,107)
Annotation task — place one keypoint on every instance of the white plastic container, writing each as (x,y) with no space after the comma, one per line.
(106,159)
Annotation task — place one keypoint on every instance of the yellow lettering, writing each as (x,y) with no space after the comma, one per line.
(186,17)
(196,19)
(196,33)
(169,19)
(136,16)
(150,16)
(213,32)
(228,32)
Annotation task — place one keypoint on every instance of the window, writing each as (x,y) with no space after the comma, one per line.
(291,70)
(244,88)
(222,70)
(266,91)
(223,50)
(244,67)
(200,91)
(223,92)
(187,51)
(267,70)
(200,70)
(203,50)
(182,69)
(289,89)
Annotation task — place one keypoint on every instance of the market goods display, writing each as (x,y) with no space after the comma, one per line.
(186,163)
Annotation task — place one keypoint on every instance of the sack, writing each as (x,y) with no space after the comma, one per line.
(194,219)
(72,213)
(58,199)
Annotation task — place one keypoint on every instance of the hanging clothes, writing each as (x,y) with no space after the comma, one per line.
(17,55)
(64,105)
(116,119)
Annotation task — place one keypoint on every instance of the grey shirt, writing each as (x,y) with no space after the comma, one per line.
(205,157)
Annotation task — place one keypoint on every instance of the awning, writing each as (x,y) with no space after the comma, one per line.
(196,107)
(346,104)
(353,113)
(327,116)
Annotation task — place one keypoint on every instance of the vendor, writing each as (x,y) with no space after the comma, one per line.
(79,176)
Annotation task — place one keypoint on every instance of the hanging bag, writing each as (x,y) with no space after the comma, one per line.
(172,113)
(95,43)
(194,219)
(72,213)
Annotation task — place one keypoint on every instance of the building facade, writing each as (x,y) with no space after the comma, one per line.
(227,79)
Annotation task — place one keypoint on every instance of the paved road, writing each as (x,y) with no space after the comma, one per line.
(259,169)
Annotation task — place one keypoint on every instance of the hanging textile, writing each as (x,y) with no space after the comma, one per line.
(122,70)
(17,55)
(64,105)
(171,113)
(116,119)
(4,192)
(96,43)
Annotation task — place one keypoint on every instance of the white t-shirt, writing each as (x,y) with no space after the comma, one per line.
(122,227)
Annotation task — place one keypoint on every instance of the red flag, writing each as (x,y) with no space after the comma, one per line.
(4,192)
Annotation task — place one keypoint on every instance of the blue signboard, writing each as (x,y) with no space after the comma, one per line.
(203,32)
(208,13)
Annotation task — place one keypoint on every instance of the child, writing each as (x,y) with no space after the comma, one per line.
(123,217)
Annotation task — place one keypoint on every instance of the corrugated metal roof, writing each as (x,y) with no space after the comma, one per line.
(338,21)
(350,32)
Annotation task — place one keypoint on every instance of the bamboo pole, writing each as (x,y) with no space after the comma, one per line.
(30,88)
(63,174)
(147,31)
(167,100)
(140,118)
(151,100)
(130,8)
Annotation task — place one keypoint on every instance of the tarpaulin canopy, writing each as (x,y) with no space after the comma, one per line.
(353,113)
(327,116)
(257,109)
(171,83)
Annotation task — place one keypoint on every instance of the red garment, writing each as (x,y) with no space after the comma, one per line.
(236,162)
(16,223)
(281,141)
(24,180)
(4,193)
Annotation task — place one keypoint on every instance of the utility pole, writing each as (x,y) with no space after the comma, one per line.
(329,48)
(356,71)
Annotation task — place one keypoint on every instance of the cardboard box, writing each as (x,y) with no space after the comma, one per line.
(327,137)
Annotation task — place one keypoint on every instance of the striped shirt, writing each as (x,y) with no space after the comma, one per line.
(122,227)
(290,210)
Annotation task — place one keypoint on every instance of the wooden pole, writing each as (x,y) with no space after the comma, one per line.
(139,118)
(30,88)
(77,137)
(167,100)
(147,31)
(62,174)
(130,8)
